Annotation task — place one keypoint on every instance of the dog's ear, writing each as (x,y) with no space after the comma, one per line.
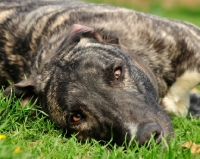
(78,31)
(25,89)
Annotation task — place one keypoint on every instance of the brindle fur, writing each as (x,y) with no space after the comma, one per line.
(37,42)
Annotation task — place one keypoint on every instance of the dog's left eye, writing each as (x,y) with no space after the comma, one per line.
(76,117)
(117,72)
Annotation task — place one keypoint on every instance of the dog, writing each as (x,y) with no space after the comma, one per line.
(97,70)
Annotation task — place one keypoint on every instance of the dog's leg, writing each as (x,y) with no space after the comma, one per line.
(177,99)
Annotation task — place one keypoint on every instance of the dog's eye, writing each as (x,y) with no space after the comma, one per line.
(117,72)
(76,117)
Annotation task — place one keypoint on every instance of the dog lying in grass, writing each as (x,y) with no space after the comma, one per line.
(99,70)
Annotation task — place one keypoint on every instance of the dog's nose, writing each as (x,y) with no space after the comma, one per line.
(146,130)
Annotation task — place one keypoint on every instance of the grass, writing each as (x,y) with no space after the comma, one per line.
(191,14)
(23,135)
(28,136)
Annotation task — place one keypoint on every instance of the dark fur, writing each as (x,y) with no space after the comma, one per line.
(70,69)
(194,108)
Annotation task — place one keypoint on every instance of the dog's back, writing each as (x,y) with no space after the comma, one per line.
(26,25)
(23,29)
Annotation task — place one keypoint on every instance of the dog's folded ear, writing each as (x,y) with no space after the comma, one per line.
(25,89)
(79,31)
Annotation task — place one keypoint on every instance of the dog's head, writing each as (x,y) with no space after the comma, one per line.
(95,87)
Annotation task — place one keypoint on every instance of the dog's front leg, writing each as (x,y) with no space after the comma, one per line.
(176,100)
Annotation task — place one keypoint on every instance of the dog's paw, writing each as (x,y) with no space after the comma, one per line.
(194,107)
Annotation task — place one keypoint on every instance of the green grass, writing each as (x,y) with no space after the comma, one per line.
(185,14)
(191,15)
(37,137)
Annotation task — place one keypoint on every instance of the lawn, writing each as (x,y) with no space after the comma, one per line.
(23,135)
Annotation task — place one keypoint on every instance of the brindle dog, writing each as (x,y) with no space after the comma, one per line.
(99,69)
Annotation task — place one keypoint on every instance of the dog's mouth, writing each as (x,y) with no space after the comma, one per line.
(145,133)
(129,133)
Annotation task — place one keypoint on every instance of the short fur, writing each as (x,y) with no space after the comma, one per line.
(65,53)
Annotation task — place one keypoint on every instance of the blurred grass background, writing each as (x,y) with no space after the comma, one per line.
(187,10)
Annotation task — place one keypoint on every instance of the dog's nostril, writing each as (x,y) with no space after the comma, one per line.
(146,130)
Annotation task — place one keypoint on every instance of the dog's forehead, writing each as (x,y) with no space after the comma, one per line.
(87,49)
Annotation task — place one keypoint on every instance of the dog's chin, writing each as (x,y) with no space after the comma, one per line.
(127,140)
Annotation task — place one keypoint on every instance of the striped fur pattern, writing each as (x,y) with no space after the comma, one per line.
(108,66)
